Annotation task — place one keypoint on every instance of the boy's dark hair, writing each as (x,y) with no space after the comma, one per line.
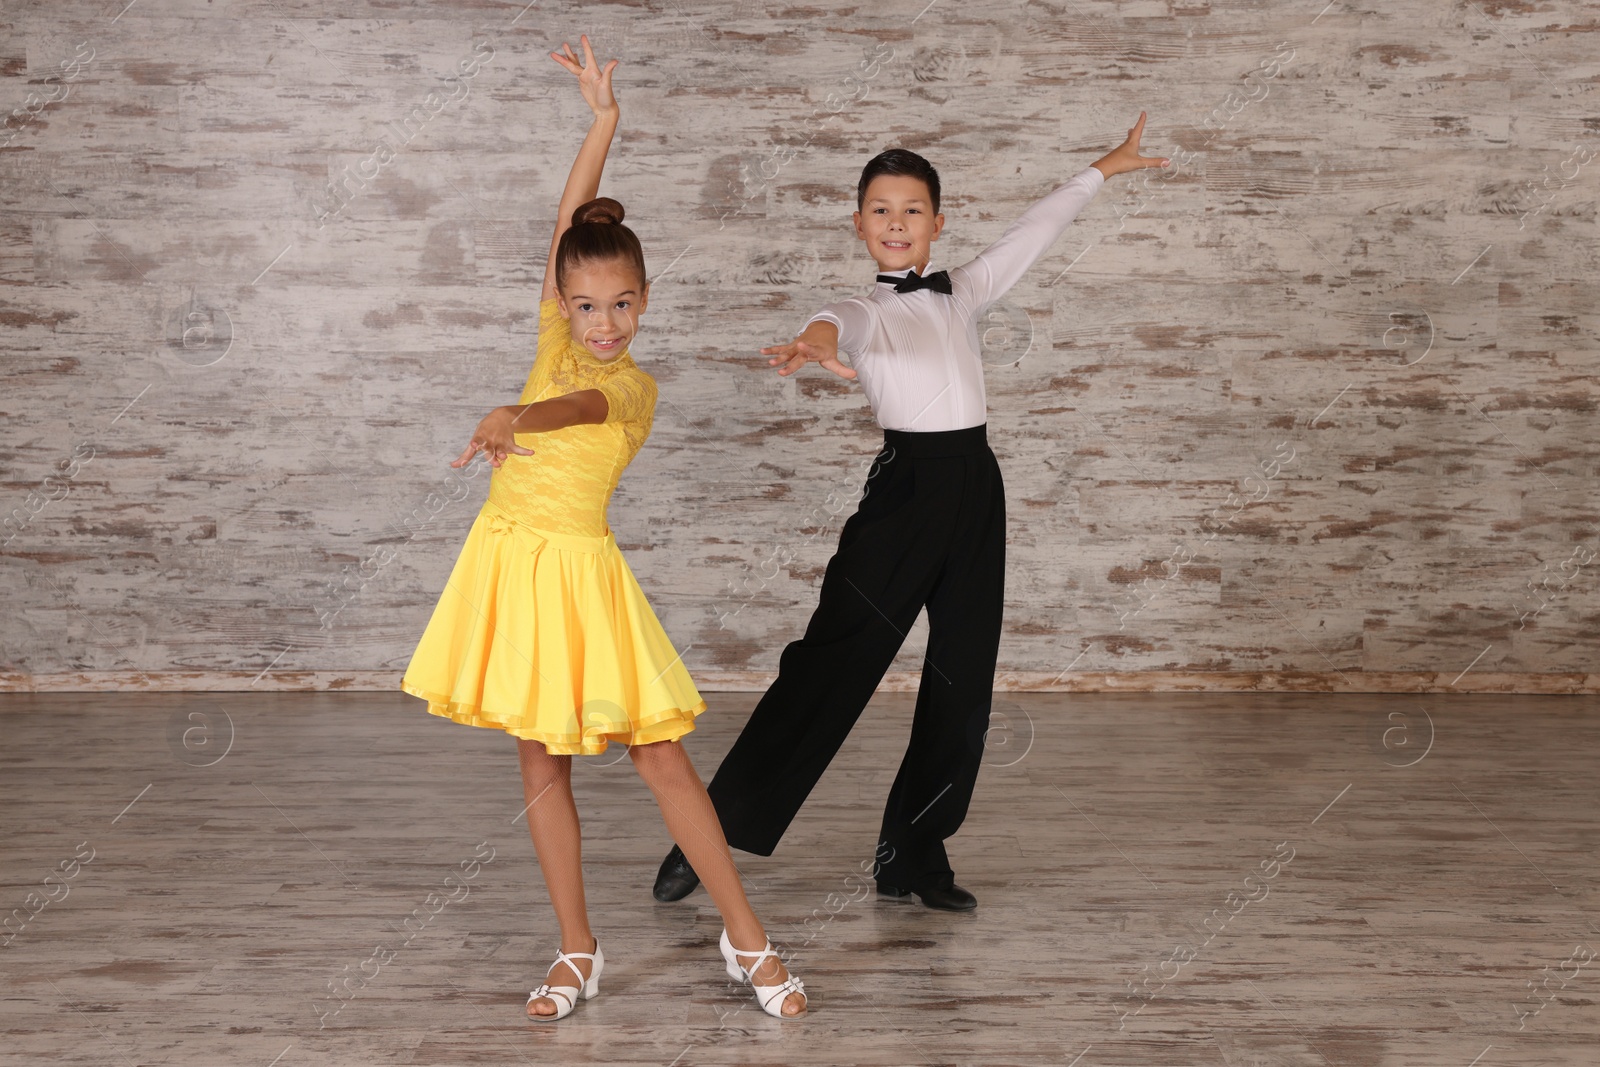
(899,161)
(597,234)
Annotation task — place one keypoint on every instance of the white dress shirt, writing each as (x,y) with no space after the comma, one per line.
(916,354)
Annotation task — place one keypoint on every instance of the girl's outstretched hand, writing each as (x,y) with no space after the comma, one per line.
(593,82)
(1126,157)
(495,438)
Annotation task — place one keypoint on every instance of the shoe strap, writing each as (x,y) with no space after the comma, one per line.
(550,992)
(760,959)
(569,959)
(789,985)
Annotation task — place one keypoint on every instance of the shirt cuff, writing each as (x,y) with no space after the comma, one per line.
(824,316)
(827,316)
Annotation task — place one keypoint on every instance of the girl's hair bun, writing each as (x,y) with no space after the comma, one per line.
(600,209)
(597,235)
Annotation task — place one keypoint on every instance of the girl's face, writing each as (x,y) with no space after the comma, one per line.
(603,301)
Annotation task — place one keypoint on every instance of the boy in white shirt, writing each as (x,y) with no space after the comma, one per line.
(930,533)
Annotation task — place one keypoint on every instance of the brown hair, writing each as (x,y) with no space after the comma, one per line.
(597,234)
(898,161)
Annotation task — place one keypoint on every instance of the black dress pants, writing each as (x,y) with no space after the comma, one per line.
(930,531)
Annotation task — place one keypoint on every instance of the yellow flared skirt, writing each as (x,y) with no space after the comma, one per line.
(548,637)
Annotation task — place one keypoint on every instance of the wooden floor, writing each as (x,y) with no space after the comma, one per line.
(1289,880)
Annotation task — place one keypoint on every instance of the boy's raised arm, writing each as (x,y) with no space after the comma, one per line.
(987,276)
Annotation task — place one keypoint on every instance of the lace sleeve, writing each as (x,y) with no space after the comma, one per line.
(631,403)
(554,332)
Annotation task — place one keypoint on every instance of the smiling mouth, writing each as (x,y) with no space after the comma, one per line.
(608,345)
(898,246)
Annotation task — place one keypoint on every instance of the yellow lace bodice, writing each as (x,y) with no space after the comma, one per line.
(565,485)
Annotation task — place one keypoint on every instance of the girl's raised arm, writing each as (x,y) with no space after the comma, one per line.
(583,183)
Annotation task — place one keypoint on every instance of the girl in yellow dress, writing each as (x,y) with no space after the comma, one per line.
(542,630)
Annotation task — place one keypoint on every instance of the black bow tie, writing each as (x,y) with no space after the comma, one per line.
(938,281)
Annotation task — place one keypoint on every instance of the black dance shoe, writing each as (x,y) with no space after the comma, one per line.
(940,893)
(676,879)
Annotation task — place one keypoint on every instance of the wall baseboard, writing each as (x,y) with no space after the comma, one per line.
(894,682)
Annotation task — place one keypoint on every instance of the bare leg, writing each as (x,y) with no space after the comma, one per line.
(692,821)
(553,824)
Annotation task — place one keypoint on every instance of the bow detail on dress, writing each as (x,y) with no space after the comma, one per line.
(525,537)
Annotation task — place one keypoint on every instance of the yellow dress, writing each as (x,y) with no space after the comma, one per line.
(542,630)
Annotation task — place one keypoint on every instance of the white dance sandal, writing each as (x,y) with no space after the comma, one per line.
(565,997)
(770,997)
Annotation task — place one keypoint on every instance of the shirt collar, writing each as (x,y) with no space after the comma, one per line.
(902,273)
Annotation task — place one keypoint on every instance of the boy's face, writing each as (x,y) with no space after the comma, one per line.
(897,222)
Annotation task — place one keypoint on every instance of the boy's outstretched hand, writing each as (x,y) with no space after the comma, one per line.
(1126,157)
(593,81)
(817,343)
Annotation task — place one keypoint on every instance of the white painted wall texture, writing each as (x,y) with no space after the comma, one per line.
(1318,402)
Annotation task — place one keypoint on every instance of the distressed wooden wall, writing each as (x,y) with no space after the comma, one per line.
(1319,402)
